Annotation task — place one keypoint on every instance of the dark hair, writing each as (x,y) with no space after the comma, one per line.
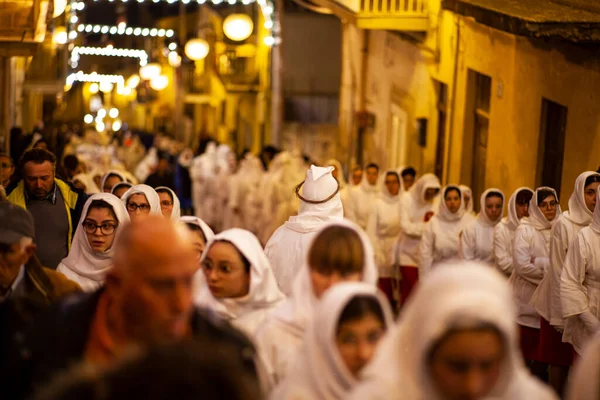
(337,249)
(372,165)
(392,173)
(360,307)
(39,142)
(71,162)
(7,156)
(37,156)
(167,192)
(452,189)
(543,193)
(591,179)
(494,194)
(242,257)
(195,228)
(123,183)
(409,171)
(101,204)
(524,196)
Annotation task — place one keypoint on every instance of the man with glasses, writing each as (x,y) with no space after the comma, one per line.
(7,169)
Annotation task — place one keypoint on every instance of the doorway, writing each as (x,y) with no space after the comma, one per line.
(553,127)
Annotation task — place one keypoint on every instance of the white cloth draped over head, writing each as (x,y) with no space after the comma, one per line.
(455,297)
(483,217)
(120,185)
(83,265)
(444,213)
(288,246)
(466,191)
(110,173)
(513,220)
(263,294)
(206,230)
(150,194)
(417,191)
(340,171)
(88,182)
(319,371)
(176,213)
(383,191)
(536,217)
(578,212)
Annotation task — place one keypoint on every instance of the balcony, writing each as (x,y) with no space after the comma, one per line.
(22,26)
(395,15)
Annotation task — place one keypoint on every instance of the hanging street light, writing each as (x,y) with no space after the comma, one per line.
(238,27)
(60,35)
(159,83)
(196,49)
(150,71)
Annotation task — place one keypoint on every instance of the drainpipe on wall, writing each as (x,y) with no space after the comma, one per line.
(452,103)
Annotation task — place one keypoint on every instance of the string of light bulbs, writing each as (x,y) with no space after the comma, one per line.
(109,52)
(124,30)
(80,76)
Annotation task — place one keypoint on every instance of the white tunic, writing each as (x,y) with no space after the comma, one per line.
(546,298)
(477,239)
(532,240)
(360,202)
(453,297)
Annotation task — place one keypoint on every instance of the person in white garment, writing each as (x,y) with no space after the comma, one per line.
(170,205)
(202,175)
(341,251)
(121,188)
(440,240)
(477,239)
(583,381)
(226,166)
(531,258)
(320,204)
(92,250)
(141,201)
(237,281)
(383,228)
(409,176)
(546,299)
(580,285)
(201,234)
(110,179)
(86,183)
(468,199)
(338,174)
(457,339)
(348,324)
(416,209)
(504,232)
(245,197)
(362,197)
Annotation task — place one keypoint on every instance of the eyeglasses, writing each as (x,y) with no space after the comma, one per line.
(105,229)
(166,204)
(132,207)
(545,206)
(5,165)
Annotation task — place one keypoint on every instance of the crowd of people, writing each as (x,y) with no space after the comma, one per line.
(271,276)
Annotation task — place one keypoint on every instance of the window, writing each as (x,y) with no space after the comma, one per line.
(553,125)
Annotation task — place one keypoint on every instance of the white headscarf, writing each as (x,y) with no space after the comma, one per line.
(340,172)
(176,214)
(456,296)
(82,259)
(263,293)
(150,194)
(444,213)
(513,220)
(536,218)
(364,183)
(595,226)
(464,189)
(297,311)
(88,181)
(206,230)
(319,371)
(417,191)
(483,217)
(384,193)
(121,184)
(109,174)
(578,212)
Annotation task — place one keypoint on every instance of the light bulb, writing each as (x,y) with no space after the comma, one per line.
(113,113)
(88,118)
(133,81)
(149,71)
(174,59)
(238,27)
(94,88)
(159,82)
(60,35)
(101,113)
(116,125)
(196,49)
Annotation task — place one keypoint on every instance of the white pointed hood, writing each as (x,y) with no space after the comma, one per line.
(578,212)
(536,218)
(82,259)
(482,216)
(444,213)
(176,214)
(150,194)
(263,293)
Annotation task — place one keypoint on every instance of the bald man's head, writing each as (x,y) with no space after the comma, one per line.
(151,282)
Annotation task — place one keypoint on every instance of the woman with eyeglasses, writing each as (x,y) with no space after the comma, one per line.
(141,201)
(531,253)
(92,250)
(169,203)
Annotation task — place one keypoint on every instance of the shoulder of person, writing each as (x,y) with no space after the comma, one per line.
(62,285)
(207,324)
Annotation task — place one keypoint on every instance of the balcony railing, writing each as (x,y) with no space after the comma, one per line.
(400,15)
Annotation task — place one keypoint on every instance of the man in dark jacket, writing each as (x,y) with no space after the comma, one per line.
(56,205)
(147,300)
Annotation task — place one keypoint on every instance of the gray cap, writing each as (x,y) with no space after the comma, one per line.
(15,223)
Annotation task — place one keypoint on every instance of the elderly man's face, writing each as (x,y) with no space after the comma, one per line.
(154,289)
(39,178)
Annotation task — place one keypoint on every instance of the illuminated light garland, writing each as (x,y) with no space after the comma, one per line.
(95,77)
(109,52)
(125,31)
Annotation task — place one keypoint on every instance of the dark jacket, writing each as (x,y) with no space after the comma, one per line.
(74,201)
(58,341)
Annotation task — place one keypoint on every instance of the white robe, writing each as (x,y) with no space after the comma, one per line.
(532,239)
(280,337)
(453,297)
(318,372)
(249,312)
(546,299)
(83,265)
(477,239)
(583,380)
(504,233)
(440,240)
(580,285)
(413,209)
(202,175)
(360,202)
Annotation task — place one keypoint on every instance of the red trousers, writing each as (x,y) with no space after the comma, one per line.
(530,343)
(389,287)
(410,278)
(552,349)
